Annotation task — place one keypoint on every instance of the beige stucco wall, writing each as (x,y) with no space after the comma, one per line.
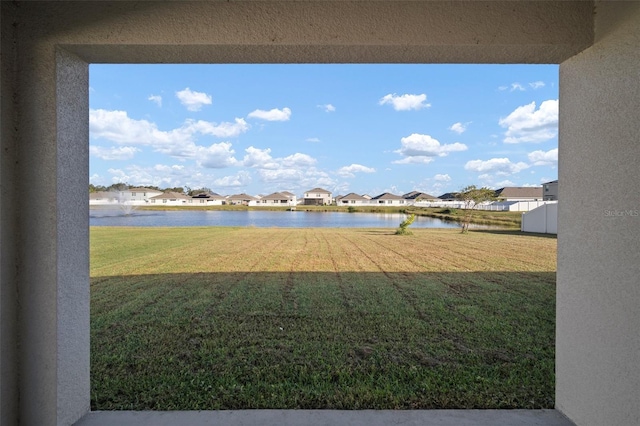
(44,297)
(598,300)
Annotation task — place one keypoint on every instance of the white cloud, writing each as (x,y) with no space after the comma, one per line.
(544,158)
(221,130)
(298,160)
(113,153)
(313,140)
(262,159)
(349,171)
(517,86)
(242,178)
(118,127)
(405,102)
(96,179)
(296,178)
(296,171)
(418,159)
(216,156)
(499,166)
(272,115)
(327,107)
(459,128)
(163,168)
(162,175)
(526,124)
(504,183)
(503,88)
(136,175)
(421,149)
(193,101)
(442,178)
(156,98)
(537,85)
(259,158)
(281,175)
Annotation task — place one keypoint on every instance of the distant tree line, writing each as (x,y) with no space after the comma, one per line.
(117,187)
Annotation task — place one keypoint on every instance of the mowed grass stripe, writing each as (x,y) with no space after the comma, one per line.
(230,318)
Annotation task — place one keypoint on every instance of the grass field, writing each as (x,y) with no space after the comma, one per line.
(231,318)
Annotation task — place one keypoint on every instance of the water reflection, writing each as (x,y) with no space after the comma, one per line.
(260,219)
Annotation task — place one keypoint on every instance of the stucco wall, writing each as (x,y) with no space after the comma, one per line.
(44,275)
(598,298)
(8,289)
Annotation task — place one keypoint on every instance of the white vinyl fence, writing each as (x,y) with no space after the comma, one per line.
(543,220)
(496,206)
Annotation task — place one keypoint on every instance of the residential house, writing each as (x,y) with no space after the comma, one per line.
(170,199)
(353,199)
(242,200)
(317,197)
(207,199)
(448,196)
(388,199)
(518,193)
(415,196)
(294,198)
(550,190)
(102,197)
(137,196)
(278,199)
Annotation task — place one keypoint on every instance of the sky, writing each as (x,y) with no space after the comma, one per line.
(368,129)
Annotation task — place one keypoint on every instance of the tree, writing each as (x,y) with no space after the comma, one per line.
(402,229)
(178,189)
(472,196)
(196,191)
(117,187)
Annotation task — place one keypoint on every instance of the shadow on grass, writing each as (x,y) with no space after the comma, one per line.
(290,340)
(515,232)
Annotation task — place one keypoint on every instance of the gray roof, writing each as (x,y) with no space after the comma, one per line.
(519,192)
(448,196)
(171,196)
(142,189)
(414,195)
(243,196)
(316,190)
(387,196)
(278,196)
(354,196)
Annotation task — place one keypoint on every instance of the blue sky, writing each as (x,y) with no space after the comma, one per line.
(366,129)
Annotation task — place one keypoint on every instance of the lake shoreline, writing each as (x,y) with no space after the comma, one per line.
(510,220)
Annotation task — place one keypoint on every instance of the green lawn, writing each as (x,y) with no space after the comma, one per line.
(231,318)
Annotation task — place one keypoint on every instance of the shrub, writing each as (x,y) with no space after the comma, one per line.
(402,229)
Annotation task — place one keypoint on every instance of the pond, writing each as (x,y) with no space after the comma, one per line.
(260,219)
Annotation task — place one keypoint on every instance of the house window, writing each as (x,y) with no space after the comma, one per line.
(133,194)
(164,201)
